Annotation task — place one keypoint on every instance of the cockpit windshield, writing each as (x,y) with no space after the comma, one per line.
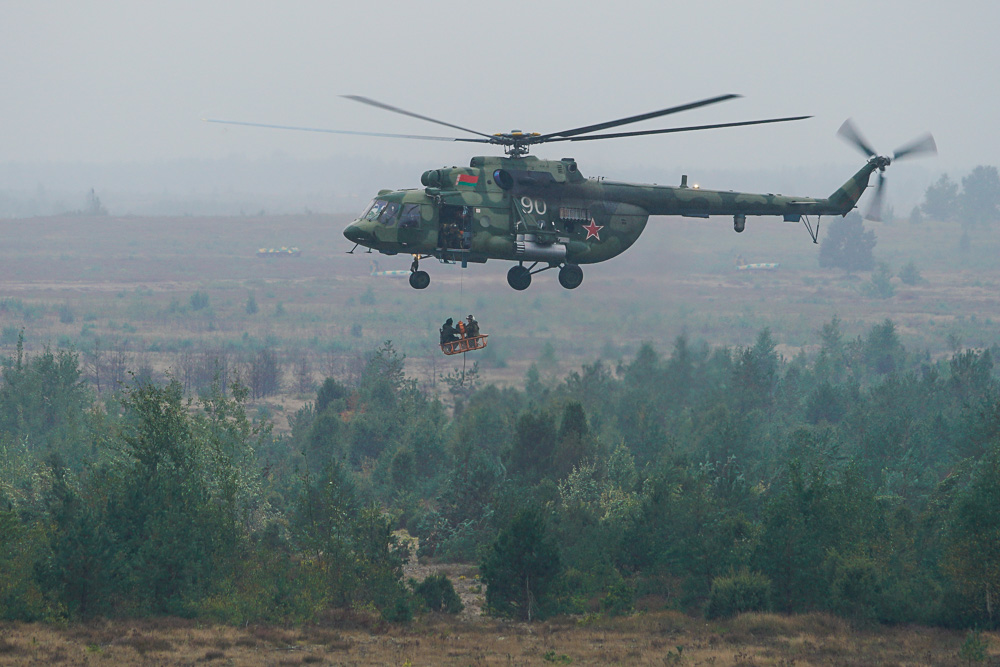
(373,210)
(385,212)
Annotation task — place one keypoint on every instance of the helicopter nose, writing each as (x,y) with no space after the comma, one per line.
(356,234)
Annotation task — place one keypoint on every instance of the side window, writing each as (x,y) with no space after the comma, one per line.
(389,213)
(410,217)
(375,209)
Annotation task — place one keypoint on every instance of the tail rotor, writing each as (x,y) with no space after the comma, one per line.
(922,145)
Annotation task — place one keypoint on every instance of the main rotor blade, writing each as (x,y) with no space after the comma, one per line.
(388,107)
(850,134)
(364,134)
(639,133)
(923,144)
(631,119)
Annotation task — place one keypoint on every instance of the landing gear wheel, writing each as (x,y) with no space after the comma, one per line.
(519,277)
(570,276)
(419,280)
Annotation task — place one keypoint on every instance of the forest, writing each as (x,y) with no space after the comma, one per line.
(862,480)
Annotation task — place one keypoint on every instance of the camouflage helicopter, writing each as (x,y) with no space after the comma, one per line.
(545,214)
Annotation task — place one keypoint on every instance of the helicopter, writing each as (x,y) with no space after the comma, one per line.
(545,214)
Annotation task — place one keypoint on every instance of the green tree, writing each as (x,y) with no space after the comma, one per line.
(520,568)
(979,202)
(811,513)
(973,552)
(43,401)
(831,363)
(534,446)
(347,544)
(941,200)
(848,245)
(880,286)
(910,274)
(755,373)
(882,351)
(573,441)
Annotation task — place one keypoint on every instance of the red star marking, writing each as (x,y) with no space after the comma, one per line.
(593,229)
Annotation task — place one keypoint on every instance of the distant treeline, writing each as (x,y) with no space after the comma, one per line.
(864,481)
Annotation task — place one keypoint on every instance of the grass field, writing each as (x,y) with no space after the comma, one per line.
(655,638)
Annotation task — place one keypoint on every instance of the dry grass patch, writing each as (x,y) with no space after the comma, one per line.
(664,638)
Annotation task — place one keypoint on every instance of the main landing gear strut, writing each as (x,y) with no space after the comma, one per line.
(519,276)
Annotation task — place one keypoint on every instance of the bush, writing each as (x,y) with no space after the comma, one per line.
(856,587)
(438,594)
(199,300)
(738,593)
(910,275)
(880,286)
(619,600)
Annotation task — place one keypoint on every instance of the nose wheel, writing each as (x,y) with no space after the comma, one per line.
(419,280)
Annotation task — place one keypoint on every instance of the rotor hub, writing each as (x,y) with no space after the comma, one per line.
(880,162)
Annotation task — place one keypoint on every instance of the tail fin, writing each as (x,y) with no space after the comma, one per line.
(848,194)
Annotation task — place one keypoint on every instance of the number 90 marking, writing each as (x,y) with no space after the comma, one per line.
(534,206)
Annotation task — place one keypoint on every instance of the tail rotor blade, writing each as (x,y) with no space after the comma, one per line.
(849,133)
(919,146)
(875,207)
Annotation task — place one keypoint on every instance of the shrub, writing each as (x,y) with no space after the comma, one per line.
(910,275)
(856,587)
(199,300)
(880,286)
(66,315)
(737,593)
(619,600)
(975,648)
(438,594)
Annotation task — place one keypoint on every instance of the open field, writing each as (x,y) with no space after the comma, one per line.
(656,638)
(127,284)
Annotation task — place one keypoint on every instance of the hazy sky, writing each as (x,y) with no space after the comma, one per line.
(115,81)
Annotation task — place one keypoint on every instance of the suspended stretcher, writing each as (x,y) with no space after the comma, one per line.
(463,345)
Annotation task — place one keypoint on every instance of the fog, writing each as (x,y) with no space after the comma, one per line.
(109,96)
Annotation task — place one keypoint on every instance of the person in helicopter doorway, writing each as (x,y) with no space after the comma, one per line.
(449,333)
(471,327)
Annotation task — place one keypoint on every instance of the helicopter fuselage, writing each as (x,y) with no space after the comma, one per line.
(546,212)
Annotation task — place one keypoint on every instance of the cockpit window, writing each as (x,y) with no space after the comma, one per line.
(410,216)
(375,209)
(368,208)
(389,213)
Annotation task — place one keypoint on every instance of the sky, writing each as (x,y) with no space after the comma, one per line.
(110,82)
